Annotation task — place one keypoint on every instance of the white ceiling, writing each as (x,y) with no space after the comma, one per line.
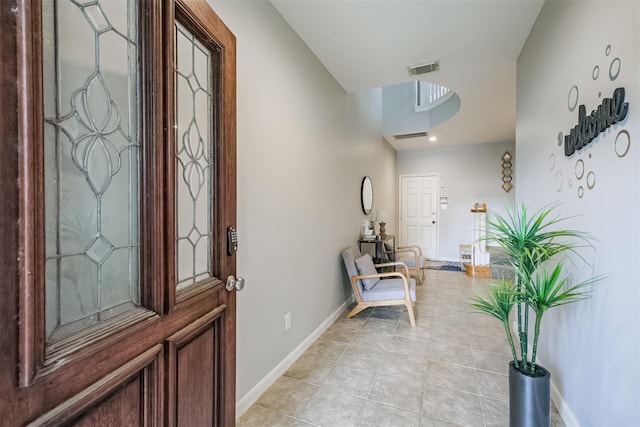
(367,44)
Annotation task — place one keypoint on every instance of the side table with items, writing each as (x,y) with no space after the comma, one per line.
(384,251)
(381,250)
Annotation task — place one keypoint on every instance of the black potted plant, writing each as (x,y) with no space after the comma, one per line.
(533,246)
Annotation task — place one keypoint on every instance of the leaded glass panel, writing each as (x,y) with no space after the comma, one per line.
(91,162)
(194,158)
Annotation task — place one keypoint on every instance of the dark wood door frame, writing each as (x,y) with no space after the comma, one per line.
(141,351)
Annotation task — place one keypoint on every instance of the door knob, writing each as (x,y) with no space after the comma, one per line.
(232,282)
(433,222)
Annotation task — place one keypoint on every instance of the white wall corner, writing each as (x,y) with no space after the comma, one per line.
(254,394)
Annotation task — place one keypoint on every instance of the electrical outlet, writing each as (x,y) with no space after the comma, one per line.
(287,322)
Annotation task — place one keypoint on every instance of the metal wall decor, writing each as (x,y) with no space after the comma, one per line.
(506,171)
(577,147)
(609,112)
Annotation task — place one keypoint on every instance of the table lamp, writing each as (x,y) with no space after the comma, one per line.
(382,217)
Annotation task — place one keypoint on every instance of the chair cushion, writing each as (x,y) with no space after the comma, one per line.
(422,261)
(408,259)
(349,256)
(390,289)
(365,267)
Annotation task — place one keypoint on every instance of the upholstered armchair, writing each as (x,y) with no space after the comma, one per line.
(413,258)
(373,289)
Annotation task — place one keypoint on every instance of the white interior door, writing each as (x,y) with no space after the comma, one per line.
(418,213)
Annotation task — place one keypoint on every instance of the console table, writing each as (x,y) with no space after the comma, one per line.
(379,250)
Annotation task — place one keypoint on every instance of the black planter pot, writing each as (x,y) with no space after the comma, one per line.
(529,399)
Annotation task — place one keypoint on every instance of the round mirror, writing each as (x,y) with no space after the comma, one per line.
(366,195)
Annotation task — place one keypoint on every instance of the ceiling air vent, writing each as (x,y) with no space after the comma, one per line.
(427,67)
(410,135)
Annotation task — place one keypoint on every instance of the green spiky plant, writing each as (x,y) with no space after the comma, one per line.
(528,242)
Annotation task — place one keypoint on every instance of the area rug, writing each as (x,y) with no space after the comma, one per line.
(443,265)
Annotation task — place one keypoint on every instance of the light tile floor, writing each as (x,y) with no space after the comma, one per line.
(376,370)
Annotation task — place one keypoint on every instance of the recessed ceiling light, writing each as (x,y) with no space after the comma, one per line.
(433,138)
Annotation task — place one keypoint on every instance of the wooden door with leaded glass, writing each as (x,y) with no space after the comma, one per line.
(119,171)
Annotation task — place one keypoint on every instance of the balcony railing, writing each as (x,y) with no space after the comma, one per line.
(430,95)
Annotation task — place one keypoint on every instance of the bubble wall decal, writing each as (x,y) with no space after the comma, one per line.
(581,143)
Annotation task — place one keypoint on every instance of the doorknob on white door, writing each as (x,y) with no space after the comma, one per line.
(232,283)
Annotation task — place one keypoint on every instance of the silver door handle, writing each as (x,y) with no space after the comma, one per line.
(232,283)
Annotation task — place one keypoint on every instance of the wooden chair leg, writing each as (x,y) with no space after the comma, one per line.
(412,316)
(357,309)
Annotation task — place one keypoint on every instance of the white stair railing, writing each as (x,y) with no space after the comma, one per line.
(430,95)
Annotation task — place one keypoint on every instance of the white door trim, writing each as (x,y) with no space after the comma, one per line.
(435,175)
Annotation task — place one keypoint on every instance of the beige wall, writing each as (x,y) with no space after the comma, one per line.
(591,348)
(304,146)
(468,174)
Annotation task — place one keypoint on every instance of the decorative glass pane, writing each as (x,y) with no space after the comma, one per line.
(91,162)
(194,159)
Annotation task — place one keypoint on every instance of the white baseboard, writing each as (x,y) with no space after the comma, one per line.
(252,396)
(564,410)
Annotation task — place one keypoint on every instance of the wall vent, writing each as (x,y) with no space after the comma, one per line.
(410,135)
(427,67)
